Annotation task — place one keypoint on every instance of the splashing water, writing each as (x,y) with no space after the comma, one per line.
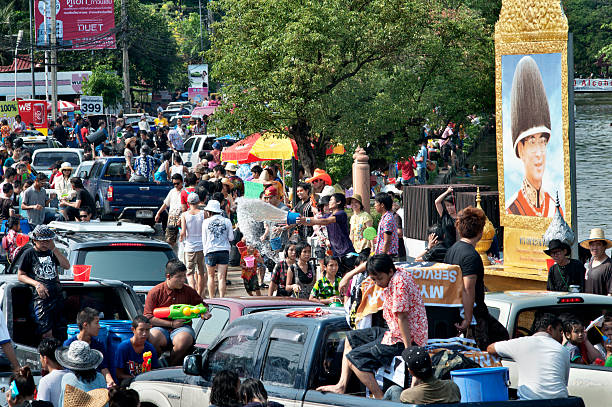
(251,213)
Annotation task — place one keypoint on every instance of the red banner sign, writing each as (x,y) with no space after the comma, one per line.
(35,112)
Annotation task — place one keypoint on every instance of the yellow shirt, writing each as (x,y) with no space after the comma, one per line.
(358,223)
(161,122)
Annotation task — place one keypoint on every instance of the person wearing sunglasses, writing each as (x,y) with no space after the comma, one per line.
(174,204)
(85,214)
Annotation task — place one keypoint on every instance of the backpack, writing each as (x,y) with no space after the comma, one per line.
(446,361)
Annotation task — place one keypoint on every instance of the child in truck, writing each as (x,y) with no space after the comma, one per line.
(326,289)
(130,353)
(580,349)
(606,329)
(88,320)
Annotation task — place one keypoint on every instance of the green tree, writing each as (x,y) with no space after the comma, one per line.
(357,72)
(106,83)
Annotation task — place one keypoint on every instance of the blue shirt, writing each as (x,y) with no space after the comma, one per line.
(144,166)
(422,153)
(127,359)
(95,344)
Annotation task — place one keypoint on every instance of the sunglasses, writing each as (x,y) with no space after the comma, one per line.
(176,183)
(83,216)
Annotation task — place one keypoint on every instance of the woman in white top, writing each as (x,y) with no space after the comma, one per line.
(217,233)
(61,184)
(178,167)
(191,235)
(128,153)
(143,124)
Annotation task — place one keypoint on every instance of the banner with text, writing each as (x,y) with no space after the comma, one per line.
(34,112)
(592,85)
(81,24)
(8,111)
(441,284)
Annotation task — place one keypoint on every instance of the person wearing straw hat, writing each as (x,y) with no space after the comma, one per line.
(82,362)
(74,397)
(359,222)
(217,233)
(598,276)
(40,268)
(565,272)
(530,123)
(231,169)
(61,184)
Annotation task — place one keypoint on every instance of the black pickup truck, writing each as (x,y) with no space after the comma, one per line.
(291,356)
(113,298)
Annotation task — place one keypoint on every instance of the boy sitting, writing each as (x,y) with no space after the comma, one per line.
(129,355)
(88,320)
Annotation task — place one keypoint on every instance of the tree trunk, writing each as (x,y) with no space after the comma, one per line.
(300,132)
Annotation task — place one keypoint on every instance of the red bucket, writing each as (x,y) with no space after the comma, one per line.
(81,272)
(241,246)
(549,264)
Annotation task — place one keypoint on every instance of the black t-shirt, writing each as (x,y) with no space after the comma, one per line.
(305,210)
(42,267)
(59,132)
(560,278)
(447,224)
(465,256)
(86,200)
(5,205)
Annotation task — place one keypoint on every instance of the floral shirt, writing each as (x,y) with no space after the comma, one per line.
(358,224)
(324,289)
(144,166)
(387,224)
(403,295)
(279,277)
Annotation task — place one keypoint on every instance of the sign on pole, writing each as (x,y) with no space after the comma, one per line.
(92,105)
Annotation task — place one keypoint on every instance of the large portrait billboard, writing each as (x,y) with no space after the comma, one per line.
(532,134)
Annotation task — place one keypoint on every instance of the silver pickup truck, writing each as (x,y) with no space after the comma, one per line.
(516,311)
(291,356)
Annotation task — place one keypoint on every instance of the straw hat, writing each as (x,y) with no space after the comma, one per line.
(79,356)
(596,234)
(66,166)
(231,167)
(226,181)
(75,397)
(530,114)
(356,197)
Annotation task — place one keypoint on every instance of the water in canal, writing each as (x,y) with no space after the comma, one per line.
(593,162)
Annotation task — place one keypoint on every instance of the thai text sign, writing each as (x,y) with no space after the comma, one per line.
(81,24)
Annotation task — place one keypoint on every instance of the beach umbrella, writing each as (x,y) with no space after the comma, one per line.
(260,147)
(63,106)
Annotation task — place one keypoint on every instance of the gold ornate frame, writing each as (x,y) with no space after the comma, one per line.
(531,27)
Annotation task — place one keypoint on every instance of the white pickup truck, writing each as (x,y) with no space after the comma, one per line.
(516,311)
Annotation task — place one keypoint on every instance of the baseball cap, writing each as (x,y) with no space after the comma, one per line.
(271,191)
(193,198)
(418,360)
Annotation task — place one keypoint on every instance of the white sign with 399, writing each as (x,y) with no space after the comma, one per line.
(91,105)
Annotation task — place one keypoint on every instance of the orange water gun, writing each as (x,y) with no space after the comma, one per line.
(146,361)
(180,311)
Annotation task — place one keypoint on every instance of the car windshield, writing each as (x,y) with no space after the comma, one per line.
(127,263)
(48,158)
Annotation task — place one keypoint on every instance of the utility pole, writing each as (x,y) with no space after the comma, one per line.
(201,35)
(19,36)
(53,61)
(32,36)
(127,100)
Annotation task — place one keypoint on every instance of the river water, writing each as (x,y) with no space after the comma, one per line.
(593,163)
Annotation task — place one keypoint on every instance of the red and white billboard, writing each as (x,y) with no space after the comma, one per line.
(35,112)
(81,24)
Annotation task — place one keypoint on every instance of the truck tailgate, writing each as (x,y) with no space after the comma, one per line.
(138,194)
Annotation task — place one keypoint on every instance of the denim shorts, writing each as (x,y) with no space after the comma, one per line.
(170,335)
(217,258)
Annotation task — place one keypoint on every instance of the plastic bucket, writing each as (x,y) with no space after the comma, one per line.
(249,261)
(241,246)
(484,384)
(118,331)
(292,218)
(73,330)
(81,272)
(25,226)
(275,243)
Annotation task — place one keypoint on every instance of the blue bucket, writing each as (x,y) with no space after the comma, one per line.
(275,243)
(25,226)
(484,384)
(292,218)
(118,331)
(73,330)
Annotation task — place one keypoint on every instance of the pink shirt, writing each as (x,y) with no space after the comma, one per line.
(403,295)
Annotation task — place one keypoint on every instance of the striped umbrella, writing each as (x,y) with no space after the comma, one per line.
(260,147)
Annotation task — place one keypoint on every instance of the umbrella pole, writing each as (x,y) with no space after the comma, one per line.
(283,182)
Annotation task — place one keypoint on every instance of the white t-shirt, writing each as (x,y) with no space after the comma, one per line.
(173,202)
(217,233)
(50,387)
(543,365)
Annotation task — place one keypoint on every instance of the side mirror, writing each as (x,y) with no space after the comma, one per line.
(192,365)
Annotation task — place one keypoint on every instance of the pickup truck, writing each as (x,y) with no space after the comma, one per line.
(115,299)
(117,198)
(516,309)
(291,356)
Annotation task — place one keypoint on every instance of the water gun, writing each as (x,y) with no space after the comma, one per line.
(146,361)
(180,311)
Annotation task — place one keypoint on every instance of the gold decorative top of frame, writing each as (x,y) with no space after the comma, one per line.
(531,20)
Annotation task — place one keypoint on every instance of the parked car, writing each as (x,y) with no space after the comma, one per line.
(114,299)
(117,198)
(115,250)
(132,119)
(44,158)
(34,140)
(226,310)
(291,356)
(203,142)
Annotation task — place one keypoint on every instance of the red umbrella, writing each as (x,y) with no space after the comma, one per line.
(259,148)
(63,106)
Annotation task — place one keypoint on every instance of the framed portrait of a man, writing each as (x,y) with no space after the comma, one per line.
(532,134)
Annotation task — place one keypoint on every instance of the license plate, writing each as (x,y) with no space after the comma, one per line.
(144,214)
